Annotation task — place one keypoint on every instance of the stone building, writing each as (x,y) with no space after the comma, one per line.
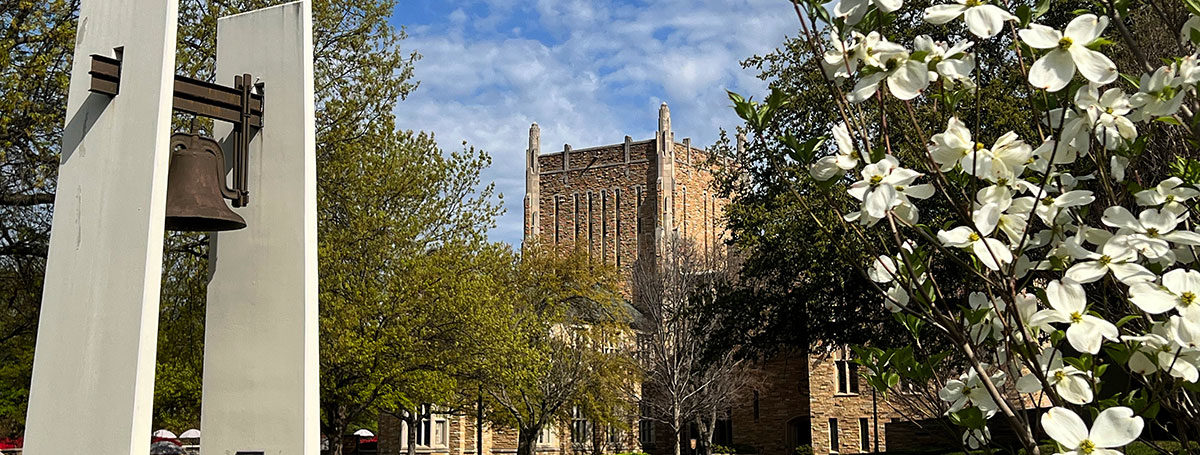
(620,201)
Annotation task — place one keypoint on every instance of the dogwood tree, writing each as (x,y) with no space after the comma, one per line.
(1076,237)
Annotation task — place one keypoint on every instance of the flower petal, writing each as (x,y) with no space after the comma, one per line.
(985,21)
(1085,28)
(1087,271)
(1093,65)
(1039,36)
(1053,71)
(1116,427)
(1066,428)
(865,87)
(1088,334)
(992,253)
(1118,217)
(1151,298)
(908,81)
(1067,297)
(1129,273)
(941,14)
(986,218)
(1075,389)
(1182,280)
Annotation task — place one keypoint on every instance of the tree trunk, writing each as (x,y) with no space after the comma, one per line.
(708,427)
(676,425)
(597,440)
(337,428)
(526,439)
(412,418)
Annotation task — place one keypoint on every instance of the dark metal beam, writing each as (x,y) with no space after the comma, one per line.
(190,95)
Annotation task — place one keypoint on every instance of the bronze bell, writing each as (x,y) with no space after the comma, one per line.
(196,188)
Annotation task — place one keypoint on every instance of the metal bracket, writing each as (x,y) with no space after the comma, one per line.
(239,105)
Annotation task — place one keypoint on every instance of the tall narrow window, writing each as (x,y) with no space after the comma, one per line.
(713,221)
(864,435)
(638,209)
(755,405)
(617,225)
(704,220)
(834,445)
(604,225)
(580,428)
(646,427)
(590,232)
(683,196)
(575,215)
(847,376)
(557,203)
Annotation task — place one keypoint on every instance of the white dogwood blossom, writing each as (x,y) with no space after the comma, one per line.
(854,10)
(1068,304)
(1114,428)
(1169,193)
(1070,383)
(1180,290)
(885,186)
(983,20)
(890,62)
(837,164)
(1003,162)
(992,253)
(952,64)
(1161,350)
(968,389)
(1068,52)
(1106,113)
(841,57)
(1159,94)
(1115,257)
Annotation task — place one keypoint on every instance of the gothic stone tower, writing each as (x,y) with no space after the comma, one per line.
(620,201)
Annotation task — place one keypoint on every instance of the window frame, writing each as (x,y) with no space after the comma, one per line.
(864,434)
(834,440)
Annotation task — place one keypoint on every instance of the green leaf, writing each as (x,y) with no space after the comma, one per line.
(970,417)
(1193,6)
(1127,319)
(1043,6)
(1024,15)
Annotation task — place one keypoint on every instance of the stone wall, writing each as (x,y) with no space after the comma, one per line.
(848,409)
(769,415)
(593,201)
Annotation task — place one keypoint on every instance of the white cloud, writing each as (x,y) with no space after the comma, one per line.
(588,73)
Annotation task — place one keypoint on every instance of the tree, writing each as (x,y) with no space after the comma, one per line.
(36,39)
(409,283)
(361,72)
(572,350)
(795,292)
(1045,248)
(685,381)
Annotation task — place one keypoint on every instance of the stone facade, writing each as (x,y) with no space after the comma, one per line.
(620,202)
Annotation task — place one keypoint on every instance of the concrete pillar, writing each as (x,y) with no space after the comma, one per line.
(93,367)
(533,200)
(260,342)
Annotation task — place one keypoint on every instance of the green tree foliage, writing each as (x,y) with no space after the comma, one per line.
(572,347)
(409,284)
(801,284)
(36,38)
(401,223)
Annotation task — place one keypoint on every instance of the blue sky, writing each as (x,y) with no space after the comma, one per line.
(588,72)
